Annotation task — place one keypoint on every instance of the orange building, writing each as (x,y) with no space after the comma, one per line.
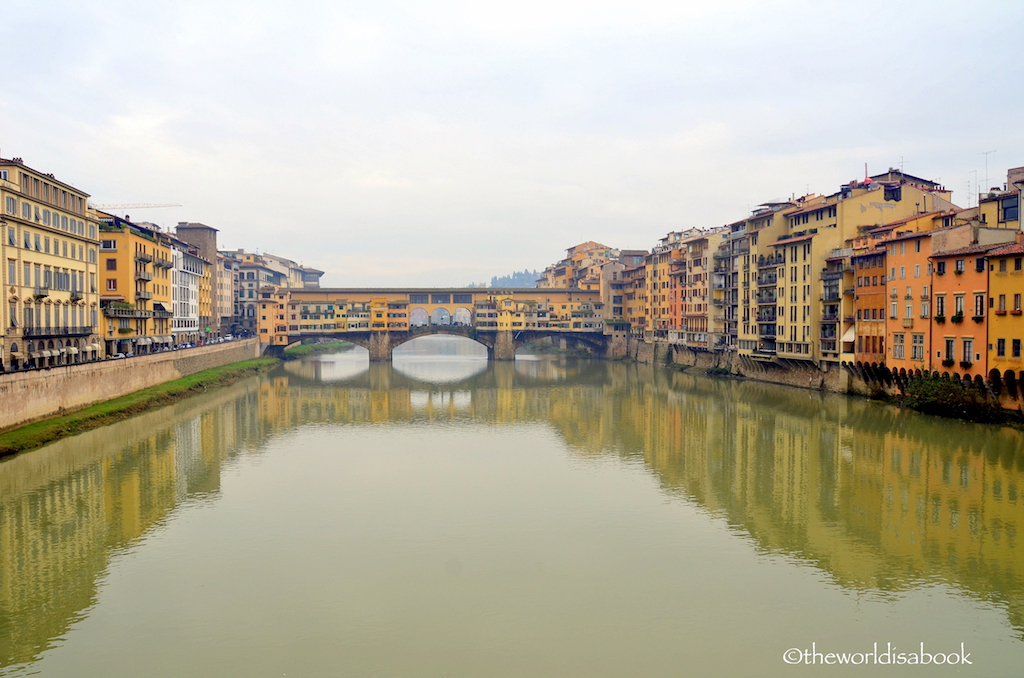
(869,302)
(960,327)
(909,283)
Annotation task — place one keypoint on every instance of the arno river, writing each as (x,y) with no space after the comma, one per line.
(448,517)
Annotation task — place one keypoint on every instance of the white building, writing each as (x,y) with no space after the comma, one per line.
(188,269)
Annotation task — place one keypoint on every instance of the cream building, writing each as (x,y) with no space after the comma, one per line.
(49,247)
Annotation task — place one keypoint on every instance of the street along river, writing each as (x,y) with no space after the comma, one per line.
(446,516)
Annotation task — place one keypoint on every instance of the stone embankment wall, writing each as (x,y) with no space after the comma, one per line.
(802,375)
(37,394)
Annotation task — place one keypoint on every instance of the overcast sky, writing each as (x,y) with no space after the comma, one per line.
(441,143)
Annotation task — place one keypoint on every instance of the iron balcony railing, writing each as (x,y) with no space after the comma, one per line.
(56,331)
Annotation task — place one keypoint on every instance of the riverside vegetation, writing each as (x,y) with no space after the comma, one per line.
(41,432)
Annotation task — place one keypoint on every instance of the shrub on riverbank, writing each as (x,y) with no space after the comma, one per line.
(34,435)
(950,398)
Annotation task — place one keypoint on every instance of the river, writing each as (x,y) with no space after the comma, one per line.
(446,516)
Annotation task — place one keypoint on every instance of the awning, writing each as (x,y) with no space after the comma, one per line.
(850,334)
(72,350)
(145,341)
(157,306)
(45,354)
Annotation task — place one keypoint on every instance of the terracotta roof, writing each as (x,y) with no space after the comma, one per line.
(972,249)
(1016,248)
(907,220)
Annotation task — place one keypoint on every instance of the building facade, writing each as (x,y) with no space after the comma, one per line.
(49,248)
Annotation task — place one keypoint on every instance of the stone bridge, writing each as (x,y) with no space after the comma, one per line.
(501,344)
(379,319)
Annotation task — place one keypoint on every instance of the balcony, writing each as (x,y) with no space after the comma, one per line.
(908,322)
(76,295)
(127,313)
(848,290)
(143,257)
(163,263)
(832,275)
(767,281)
(766,299)
(829,318)
(41,291)
(770,261)
(143,294)
(718,302)
(831,296)
(161,314)
(143,275)
(56,331)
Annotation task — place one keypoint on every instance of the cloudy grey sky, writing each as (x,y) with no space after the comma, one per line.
(441,143)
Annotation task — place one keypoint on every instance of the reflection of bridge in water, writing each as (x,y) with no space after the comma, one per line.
(881,500)
(381,319)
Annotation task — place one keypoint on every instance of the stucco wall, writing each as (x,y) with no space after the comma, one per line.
(28,396)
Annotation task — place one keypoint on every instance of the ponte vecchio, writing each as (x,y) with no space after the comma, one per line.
(381,318)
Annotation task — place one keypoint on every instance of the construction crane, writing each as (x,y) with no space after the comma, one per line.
(135,206)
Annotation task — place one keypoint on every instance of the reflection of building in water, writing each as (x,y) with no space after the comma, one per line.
(66,508)
(880,500)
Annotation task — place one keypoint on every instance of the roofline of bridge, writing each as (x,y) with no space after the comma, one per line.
(452,290)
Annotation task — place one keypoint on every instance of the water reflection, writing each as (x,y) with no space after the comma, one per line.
(879,500)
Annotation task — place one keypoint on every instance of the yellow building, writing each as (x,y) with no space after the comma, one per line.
(49,248)
(1006,311)
(1001,209)
(135,279)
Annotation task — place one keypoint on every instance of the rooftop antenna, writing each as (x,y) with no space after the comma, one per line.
(977,191)
(986,154)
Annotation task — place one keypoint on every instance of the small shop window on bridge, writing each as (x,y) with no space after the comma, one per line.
(462,299)
(440,298)
(418,298)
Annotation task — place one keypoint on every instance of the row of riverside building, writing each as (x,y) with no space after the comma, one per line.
(886,271)
(82,284)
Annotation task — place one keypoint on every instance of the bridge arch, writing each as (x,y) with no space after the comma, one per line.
(441,316)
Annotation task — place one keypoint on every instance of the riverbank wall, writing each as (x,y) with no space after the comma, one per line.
(865,380)
(793,373)
(38,394)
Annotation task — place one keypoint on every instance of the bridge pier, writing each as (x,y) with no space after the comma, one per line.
(504,347)
(380,347)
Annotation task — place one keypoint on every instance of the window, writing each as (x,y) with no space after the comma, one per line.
(958,304)
(112,284)
(940,267)
(950,348)
(1002,303)
(968,350)
(917,267)
(894,311)
(979,265)
(903,271)
(39,244)
(1018,264)
(1016,302)
(917,347)
(111,264)
(12,236)
(12,205)
(961,265)
(12,272)
(1010,208)
(898,345)
(1001,348)
(925,309)
(1015,348)
(26,211)
(1002,265)
(979,305)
